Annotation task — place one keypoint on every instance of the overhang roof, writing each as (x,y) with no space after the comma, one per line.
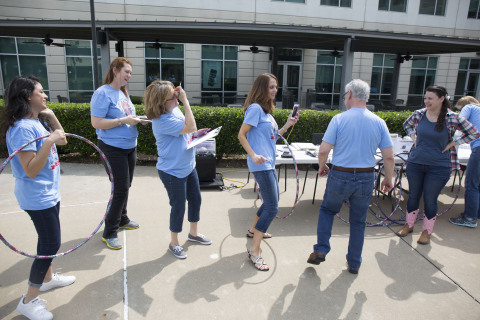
(270,35)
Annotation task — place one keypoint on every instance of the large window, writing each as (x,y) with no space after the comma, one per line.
(328,78)
(23,56)
(468,79)
(297,1)
(382,77)
(423,74)
(474,9)
(336,3)
(433,7)
(79,62)
(393,5)
(165,63)
(219,74)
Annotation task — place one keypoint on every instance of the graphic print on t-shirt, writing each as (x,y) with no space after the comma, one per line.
(274,125)
(53,160)
(124,105)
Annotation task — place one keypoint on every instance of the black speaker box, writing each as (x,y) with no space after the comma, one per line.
(206,166)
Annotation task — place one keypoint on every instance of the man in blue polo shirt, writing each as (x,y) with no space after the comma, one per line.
(355,136)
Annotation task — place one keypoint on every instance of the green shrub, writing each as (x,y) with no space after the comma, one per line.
(136,99)
(75,118)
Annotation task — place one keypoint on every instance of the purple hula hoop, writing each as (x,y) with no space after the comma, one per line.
(101,222)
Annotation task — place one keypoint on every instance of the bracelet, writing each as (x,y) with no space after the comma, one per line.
(120,123)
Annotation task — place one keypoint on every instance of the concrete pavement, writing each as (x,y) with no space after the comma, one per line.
(399,279)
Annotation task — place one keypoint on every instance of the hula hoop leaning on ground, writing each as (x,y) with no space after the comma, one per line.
(107,164)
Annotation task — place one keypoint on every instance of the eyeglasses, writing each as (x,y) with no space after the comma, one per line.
(175,96)
(344,95)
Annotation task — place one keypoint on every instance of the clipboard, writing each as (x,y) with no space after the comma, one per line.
(204,138)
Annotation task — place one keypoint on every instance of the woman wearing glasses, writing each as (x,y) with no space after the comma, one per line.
(176,164)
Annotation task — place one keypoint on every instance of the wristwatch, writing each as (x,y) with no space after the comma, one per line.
(120,123)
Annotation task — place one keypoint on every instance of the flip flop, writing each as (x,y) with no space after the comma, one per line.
(258,262)
(265,235)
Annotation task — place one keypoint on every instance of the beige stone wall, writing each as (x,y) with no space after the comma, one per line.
(363,14)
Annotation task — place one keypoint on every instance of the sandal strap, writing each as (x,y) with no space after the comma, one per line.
(257,258)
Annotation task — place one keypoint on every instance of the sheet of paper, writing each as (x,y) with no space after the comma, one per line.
(304,146)
(211,134)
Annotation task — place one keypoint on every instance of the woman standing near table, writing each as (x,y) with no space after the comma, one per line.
(432,157)
(113,117)
(37,182)
(470,109)
(258,136)
(176,164)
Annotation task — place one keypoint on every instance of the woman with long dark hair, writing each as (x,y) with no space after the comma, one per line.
(432,157)
(37,182)
(114,118)
(258,136)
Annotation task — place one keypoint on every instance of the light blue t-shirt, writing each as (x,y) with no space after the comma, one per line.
(112,104)
(472,113)
(262,137)
(43,191)
(173,156)
(356,134)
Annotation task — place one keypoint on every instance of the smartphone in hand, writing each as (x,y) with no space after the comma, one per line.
(295,111)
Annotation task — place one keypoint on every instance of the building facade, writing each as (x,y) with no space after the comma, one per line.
(216,73)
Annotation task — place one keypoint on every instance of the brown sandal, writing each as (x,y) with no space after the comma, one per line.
(258,262)
(265,235)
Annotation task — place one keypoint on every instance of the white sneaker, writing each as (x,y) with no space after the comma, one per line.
(34,310)
(57,281)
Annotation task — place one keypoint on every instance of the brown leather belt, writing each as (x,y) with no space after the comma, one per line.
(352,170)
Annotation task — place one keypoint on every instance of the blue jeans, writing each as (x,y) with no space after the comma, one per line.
(47,224)
(181,190)
(357,188)
(426,180)
(122,162)
(472,185)
(268,183)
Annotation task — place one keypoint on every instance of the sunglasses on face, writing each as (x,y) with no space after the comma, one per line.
(175,96)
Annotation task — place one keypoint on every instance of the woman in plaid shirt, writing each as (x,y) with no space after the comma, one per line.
(432,157)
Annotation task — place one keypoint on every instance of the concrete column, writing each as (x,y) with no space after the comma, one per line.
(105,57)
(347,69)
(395,78)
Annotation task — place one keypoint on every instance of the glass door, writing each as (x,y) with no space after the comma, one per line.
(472,87)
(289,75)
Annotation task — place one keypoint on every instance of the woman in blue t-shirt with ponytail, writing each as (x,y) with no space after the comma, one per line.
(114,118)
(258,136)
(36,169)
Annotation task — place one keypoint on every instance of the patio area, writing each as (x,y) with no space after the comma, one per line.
(398,279)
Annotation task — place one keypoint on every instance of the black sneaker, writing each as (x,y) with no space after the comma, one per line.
(351,270)
(464,221)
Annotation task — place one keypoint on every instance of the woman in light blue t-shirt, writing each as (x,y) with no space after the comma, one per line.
(37,182)
(114,118)
(258,136)
(176,164)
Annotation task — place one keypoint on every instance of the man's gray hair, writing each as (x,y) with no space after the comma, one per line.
(360,89)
